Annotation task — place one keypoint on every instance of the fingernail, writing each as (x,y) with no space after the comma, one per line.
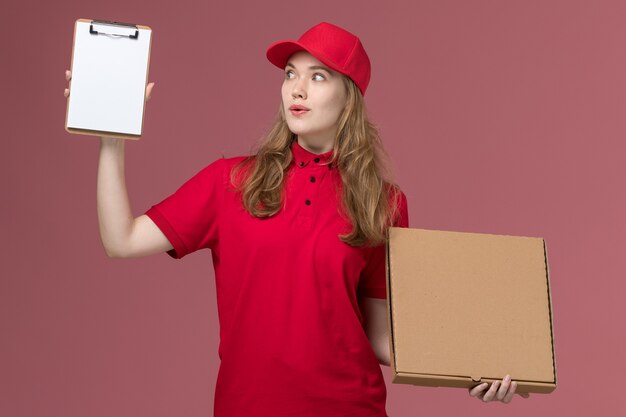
(507,378)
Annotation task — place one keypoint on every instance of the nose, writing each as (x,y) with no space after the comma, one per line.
(299,89)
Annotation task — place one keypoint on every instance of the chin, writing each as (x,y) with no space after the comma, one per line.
(298,130)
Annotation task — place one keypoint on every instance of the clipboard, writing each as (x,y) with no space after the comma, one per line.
(110,62)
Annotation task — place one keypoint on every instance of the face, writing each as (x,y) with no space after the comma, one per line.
(321,93)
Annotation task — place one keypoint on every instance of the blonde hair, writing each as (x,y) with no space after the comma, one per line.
(369,200)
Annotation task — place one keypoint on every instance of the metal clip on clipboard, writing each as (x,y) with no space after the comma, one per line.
(107,22)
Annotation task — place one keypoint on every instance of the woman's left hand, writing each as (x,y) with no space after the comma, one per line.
(498,391)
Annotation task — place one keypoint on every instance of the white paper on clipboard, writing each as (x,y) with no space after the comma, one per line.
(110,63)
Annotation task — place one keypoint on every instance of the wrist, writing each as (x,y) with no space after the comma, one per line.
(111,142)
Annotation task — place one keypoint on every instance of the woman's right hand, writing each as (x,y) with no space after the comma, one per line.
(68,77)
(105,139)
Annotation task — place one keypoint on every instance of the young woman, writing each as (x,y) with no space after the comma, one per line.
(296,233)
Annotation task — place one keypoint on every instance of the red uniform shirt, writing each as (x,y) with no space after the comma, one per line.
(288,291)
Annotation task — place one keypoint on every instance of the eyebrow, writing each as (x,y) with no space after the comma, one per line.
(312,67)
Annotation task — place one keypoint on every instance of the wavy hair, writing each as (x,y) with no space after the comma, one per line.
(369,199)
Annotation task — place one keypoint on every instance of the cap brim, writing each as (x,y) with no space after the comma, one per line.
(279,53)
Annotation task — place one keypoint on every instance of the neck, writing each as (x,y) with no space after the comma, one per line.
(317,146)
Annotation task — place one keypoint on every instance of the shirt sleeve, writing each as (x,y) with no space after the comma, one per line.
(189,217)
(374,276)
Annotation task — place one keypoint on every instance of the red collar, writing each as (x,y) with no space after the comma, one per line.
(303,157)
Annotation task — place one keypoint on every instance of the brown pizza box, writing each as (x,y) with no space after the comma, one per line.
(466,308)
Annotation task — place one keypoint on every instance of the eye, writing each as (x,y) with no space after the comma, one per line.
(288,73)
(317,74)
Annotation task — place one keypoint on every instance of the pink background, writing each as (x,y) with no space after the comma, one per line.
(499,116)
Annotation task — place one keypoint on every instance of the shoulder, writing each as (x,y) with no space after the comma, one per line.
(398,204)
(221,166)
(224,163)
(396,195)
(215,174)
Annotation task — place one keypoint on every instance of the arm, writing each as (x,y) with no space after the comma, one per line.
(376,327)
(374,310)
(122,235)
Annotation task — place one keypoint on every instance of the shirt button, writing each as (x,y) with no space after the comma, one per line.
(316,160)
(312,179)
(307,202)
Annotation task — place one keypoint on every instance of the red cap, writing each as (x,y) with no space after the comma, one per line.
(332,45)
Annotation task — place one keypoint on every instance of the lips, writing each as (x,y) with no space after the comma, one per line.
(298,110)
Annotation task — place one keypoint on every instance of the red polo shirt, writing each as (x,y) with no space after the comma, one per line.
(288,292)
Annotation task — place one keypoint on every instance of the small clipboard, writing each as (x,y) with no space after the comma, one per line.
(110,62)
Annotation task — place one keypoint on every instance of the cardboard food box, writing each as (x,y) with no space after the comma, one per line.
(466,308)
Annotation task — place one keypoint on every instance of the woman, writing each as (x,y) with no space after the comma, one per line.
(296,234)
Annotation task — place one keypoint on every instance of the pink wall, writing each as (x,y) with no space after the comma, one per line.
(500,117)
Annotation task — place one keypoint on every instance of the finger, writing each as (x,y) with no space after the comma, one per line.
(504,387)
(66,93)
(68,75)
(509,395)
(149,91)
(478,389)
(491,393)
